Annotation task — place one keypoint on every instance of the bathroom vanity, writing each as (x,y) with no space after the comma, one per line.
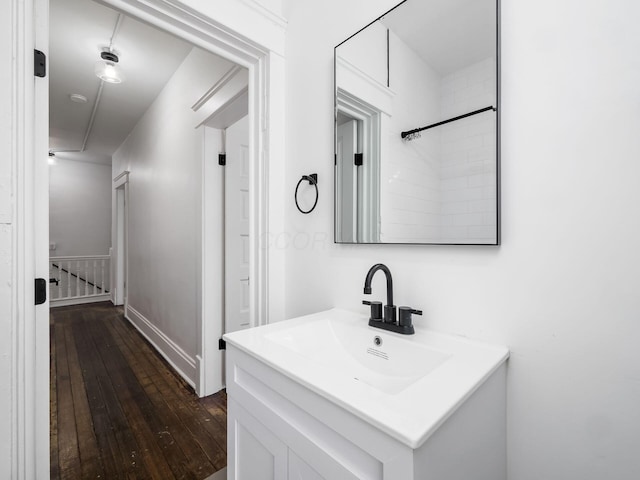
(326,396)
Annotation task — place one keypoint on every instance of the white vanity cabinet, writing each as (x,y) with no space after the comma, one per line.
(281,427)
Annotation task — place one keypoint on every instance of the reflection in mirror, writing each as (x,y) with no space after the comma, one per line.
(416,115)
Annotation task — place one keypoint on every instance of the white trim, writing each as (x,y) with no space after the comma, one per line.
(351,79)
(41,240)
(120,182)
(24,457)
(182,363)
(105,297)
(211,304)
(80,257)
(226,78)
(177,18)
(219,475)
(25,135)
(370,144)
(220,118)
(121,179)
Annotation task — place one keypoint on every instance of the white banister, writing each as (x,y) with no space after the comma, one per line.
(102,269)
(79,279)
(95,276)
(68,278)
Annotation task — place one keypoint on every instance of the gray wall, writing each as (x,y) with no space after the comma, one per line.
(79,208)
(163,154)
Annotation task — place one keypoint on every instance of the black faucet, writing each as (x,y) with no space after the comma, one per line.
(389,308)
(388,321)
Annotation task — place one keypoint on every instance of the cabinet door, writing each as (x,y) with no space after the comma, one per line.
(316,464)
(300,470)
(254,452)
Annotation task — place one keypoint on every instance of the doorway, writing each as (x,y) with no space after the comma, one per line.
(119,269)
(358,151)
(247,33)
(144,127)
(226,234)
(257,153)
(236,226)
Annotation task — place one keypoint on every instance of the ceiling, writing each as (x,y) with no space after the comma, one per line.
(447,34)
(79,30)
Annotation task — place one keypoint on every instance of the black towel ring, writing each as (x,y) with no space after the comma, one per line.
(313,180)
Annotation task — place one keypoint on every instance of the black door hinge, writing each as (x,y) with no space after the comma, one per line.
(358,159)
(222,159)
(41,291)
(39,64)
(222,345)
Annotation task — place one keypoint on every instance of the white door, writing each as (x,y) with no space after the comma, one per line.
(347,187)
(39,331)
(237,226)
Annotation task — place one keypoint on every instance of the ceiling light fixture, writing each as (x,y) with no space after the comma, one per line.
(107,69)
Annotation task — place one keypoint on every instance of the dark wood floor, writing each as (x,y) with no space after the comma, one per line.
(118,411)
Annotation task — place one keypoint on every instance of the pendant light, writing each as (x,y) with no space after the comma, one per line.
(107,69)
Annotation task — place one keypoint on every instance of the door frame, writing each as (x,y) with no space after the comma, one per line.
(265,88)
(369,121)
(25,221)
(225,32)
(265,71)
(344,164)
(120,241)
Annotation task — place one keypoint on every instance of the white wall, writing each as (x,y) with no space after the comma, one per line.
(367,51)
(562,290)
(79,208)
(163,155)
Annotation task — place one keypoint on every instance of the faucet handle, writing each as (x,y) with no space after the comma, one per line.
(405,315)
(376,310)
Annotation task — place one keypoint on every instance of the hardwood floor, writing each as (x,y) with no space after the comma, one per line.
(118,411)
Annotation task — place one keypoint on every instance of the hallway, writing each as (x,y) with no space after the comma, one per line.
(119,411)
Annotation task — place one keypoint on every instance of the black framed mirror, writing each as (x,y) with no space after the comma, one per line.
(417,116)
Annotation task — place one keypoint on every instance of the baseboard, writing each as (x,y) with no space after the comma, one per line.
(209,382)
(219,475)
(181,362)
(79,301)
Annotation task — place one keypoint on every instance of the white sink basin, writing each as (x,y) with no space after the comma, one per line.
(351,351)
(407,385)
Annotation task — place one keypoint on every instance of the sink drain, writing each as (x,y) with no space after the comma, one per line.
(377,341)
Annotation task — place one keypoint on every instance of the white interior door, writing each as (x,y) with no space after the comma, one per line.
(347,187)
(237,226)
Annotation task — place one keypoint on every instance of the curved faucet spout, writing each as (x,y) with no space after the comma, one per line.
(387,273)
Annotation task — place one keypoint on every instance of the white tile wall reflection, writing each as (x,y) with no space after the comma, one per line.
(442,187)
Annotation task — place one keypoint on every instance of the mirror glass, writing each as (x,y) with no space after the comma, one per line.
(416,118)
